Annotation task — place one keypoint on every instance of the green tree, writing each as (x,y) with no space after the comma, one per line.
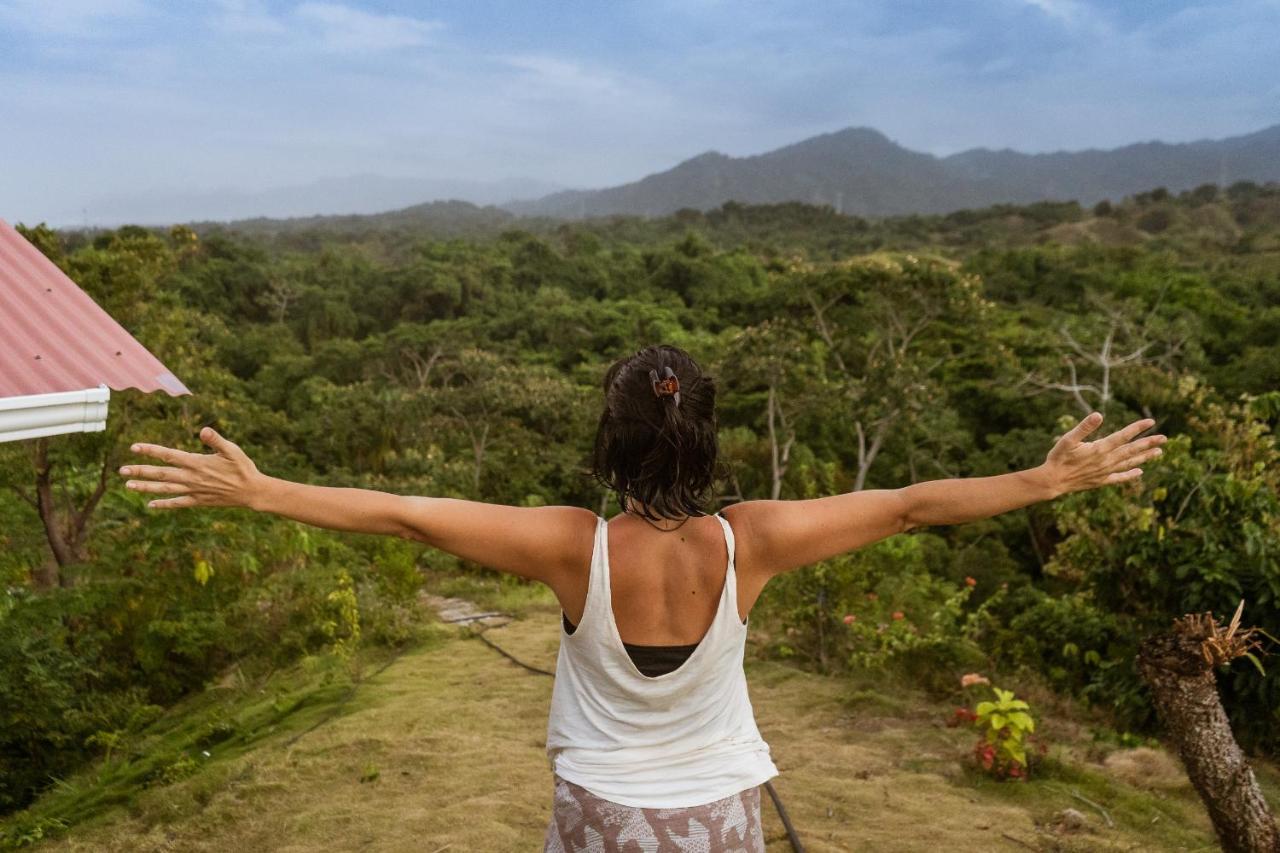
(890,326)
(1200,534)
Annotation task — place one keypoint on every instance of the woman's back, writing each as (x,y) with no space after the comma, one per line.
(684,738)
(665,584)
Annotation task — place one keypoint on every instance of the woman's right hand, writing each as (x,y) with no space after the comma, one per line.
(1074,464)
(226,477)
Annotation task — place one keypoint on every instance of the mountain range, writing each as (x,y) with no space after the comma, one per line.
(860,171)
(352,195)
(857,171)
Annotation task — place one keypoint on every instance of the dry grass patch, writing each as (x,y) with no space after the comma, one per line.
(445,749)
(1143,767)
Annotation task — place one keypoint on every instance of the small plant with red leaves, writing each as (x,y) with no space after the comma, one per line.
(1007,730)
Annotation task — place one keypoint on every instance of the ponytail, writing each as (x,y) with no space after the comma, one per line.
(656,441)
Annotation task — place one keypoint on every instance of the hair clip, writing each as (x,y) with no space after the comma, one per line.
(668,386)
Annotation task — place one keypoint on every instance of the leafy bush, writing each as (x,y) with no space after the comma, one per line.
(60,683)
(1006,725)
(875,608)
(1064,638)
(83,667)
(25,832)
(1200,534)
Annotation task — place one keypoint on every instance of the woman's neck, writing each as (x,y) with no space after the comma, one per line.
(635,507)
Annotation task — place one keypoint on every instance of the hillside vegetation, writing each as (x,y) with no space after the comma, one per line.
(849,354)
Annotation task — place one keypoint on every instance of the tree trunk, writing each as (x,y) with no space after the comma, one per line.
(67,529)
(867,455)
(50,574)
(478,443)
(779,456)
(1186,698)
(47,575)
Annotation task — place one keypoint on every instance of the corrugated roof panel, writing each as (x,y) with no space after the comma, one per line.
(54,337)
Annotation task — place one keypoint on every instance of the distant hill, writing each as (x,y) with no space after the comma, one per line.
(1242,218)
(440,218)
(354,195)
(860,171)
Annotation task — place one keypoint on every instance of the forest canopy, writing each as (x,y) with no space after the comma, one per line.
(462,357)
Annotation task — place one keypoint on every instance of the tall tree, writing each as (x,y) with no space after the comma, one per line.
(776,360)
(891,325)
(1092,348)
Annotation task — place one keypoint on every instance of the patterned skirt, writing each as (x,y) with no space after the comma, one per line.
(581,822)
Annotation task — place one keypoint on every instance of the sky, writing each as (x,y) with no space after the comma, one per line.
(104,99)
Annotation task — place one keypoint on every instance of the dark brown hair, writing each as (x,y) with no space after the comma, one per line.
(661,454)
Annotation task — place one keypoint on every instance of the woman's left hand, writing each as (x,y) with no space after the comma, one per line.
(1074,465)
(226,477)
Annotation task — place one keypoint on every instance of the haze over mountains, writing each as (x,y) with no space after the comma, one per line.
(860,171)
(357,194)
(857,171)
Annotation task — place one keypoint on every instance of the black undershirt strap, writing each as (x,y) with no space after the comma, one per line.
(650,660)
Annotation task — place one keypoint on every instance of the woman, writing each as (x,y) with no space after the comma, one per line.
(651,737)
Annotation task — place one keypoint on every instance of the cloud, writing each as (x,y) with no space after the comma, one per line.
(1067,11)
(551,74)
(345,29)
(248,17)
(327,27)
(67,18)
(998,65)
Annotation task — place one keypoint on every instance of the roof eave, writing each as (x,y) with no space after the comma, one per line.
(57,413)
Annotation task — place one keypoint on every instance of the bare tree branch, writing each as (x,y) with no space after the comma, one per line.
(26,496)
(819,315)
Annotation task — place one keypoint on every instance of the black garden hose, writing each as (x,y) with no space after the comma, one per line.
(786,821)
(506,654)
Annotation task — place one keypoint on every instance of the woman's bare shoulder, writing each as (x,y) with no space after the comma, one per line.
(775,536)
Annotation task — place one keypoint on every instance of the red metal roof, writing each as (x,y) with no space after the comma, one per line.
(54,337)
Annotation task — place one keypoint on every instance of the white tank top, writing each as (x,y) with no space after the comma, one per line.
(681,739)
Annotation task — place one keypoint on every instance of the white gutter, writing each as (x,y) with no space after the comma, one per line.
(38,415)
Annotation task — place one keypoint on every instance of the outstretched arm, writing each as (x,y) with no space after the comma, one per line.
(784,535)
(1073,465)
(542,543)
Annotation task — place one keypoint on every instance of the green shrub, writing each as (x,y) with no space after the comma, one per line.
(22,833)
(875,608)
(1199,534)
(60,684)
(1065,638)
(1006,725)
(83,668)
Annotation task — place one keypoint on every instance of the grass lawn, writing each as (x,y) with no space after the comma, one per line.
(443,750)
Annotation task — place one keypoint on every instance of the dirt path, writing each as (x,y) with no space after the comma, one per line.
(444,751)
